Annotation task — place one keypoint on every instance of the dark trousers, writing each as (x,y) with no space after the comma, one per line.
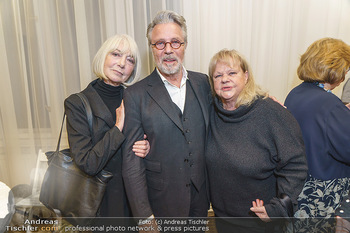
(199,202)
(198,208)
(248,225)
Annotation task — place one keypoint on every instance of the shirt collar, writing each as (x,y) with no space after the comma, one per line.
(183,80)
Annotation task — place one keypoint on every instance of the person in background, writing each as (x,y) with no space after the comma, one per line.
(345,97)
(255,152)
(116,65)
(344,209)
(170,106)
(325,124)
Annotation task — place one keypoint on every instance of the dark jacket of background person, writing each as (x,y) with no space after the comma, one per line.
(92,153)
(255,151)
(325,123)
(345,97)
(160,183)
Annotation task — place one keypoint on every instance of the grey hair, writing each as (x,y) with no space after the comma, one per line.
(167,17)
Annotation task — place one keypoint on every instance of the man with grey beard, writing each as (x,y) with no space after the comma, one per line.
(170,106)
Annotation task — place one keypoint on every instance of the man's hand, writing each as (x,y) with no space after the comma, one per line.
(348,105)
(141,148)
(276,100)
(149,227)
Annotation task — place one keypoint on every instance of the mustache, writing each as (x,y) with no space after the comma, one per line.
(169,57)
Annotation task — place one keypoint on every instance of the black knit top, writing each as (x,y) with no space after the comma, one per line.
(112,96)
(254,152)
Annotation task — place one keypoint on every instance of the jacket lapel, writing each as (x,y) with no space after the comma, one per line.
(201,97)
(99,109)
(160,95)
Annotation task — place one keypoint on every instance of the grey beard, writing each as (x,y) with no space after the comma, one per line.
(170,70)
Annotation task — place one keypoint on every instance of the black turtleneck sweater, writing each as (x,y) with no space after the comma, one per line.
(112,96)
(255,151)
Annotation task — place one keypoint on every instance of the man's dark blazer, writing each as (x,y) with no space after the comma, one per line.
(102,151)
(158,184)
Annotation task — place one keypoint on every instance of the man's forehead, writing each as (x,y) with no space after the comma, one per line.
(167,31)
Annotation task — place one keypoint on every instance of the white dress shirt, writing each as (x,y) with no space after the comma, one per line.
(177,94)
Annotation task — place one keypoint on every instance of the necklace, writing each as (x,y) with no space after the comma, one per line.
(321,85)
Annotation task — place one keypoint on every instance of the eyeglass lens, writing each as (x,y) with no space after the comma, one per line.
(175,44)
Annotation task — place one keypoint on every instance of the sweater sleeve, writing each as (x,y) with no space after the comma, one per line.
(90,158)
(290,159)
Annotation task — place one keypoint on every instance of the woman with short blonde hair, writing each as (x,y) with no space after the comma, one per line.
(116,65)
(325,123)
(251,90)
(255,154)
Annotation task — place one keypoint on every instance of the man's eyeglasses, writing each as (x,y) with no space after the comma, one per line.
(160,45)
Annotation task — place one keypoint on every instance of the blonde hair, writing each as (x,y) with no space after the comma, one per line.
(127,44)
(326,61)
(251,90)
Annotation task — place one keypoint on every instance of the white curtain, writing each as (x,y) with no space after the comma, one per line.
(47,47)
